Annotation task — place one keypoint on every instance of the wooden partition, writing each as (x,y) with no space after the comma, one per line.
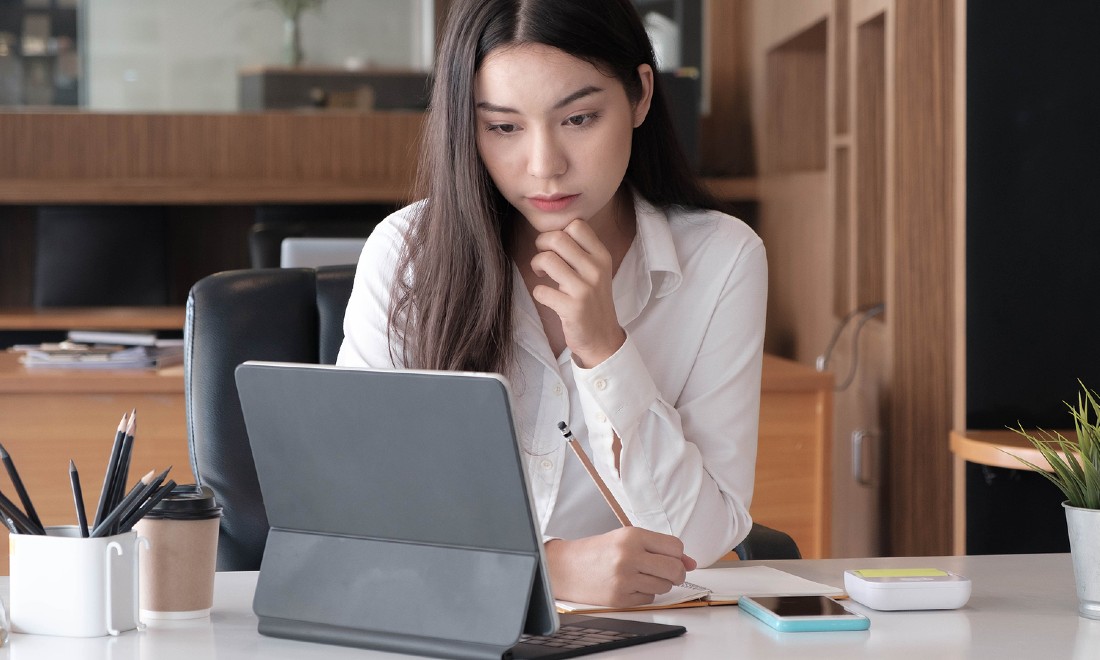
(112,158)
(854,119)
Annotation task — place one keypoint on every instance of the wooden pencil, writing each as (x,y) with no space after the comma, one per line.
(591,470)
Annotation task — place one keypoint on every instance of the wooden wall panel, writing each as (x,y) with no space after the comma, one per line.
(842,232)
(923,313)
(725,133)
(795,128)
(207,158)
(842,21)
(870,149)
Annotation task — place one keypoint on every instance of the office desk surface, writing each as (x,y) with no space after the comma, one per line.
(1023,606)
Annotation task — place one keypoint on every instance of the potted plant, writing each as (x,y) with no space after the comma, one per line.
(1075,470)
(292,11)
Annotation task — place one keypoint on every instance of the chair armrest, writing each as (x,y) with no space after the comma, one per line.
(767,543)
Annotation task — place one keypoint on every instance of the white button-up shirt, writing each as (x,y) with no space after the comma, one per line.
(682,393)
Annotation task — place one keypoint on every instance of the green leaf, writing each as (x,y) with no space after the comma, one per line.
(1075,464)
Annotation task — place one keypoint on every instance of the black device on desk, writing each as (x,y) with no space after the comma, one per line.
(400,517)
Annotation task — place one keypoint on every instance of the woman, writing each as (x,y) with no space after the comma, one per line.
(563,243)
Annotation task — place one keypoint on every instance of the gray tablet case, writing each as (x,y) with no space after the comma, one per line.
(400,517)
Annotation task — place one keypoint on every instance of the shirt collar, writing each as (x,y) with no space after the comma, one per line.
(650,264)
(657,249)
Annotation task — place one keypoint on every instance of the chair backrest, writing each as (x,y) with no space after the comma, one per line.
(282,314)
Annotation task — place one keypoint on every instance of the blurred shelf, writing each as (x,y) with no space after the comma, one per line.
(92,318)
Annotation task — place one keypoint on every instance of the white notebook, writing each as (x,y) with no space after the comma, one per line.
(721,586)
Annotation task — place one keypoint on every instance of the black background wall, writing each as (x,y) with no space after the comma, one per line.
(1033,240)
(1033,209)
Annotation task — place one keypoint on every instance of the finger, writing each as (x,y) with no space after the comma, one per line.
(585,236)
(587,265)
(634,599)
(650,585)
(663,568)
(662,544)
(689,563)
(560,302)
(552,265)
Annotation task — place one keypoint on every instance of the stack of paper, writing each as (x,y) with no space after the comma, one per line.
(104,350)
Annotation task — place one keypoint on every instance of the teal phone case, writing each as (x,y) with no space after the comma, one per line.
(806,623)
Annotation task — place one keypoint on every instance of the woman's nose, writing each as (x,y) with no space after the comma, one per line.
(546,159)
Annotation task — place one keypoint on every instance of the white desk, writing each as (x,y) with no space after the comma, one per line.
(1023,606)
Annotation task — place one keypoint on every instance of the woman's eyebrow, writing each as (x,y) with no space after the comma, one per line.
(575,96)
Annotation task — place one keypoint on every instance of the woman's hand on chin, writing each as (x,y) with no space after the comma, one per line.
(626,567)
(580,264)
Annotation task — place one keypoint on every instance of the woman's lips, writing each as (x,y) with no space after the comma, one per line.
(551,204)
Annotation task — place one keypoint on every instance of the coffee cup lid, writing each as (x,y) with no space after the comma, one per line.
(187,502)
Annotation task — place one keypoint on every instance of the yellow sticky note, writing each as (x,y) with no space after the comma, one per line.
(900,572)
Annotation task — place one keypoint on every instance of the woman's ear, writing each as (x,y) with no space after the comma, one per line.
(641,108)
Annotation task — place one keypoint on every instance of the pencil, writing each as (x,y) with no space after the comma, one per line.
(109,475)
(20,490)
(21,521)
(108,522)
(128,523)
(9,523)
(148,491)
(78,499)
(122,471)
(591,470)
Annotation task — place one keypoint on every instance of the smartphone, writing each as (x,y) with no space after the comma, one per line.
(803,613)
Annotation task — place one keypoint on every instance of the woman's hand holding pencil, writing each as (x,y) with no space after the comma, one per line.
(625,567)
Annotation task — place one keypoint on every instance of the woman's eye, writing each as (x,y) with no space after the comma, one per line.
(503,129)
(581,120)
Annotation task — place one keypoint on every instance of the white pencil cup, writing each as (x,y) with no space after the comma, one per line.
(62,584)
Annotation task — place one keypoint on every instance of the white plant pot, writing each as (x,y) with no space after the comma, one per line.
(1084,545)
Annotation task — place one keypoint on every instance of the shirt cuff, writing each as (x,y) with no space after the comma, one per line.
(620,386)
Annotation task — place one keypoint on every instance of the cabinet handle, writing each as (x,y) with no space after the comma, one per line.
(862,467)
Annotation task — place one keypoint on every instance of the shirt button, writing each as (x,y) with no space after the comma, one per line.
(558,389)
(601,417)
(546,464)
(601,384)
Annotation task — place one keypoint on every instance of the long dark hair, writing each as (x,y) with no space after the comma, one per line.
(452,302)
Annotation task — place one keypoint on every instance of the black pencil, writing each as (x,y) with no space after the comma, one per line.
(9,523)
(122,472)
(109,520)
(19,489)
(21,521)
(108,476)
(145,508)
(78,499)
(148,491)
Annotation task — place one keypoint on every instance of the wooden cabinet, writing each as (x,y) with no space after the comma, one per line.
(793,462)
(50,416)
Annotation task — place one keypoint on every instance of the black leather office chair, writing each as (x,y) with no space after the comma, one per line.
(280,314)
(767,543)
(287,315)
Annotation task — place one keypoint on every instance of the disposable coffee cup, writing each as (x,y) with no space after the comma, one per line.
(177,569)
